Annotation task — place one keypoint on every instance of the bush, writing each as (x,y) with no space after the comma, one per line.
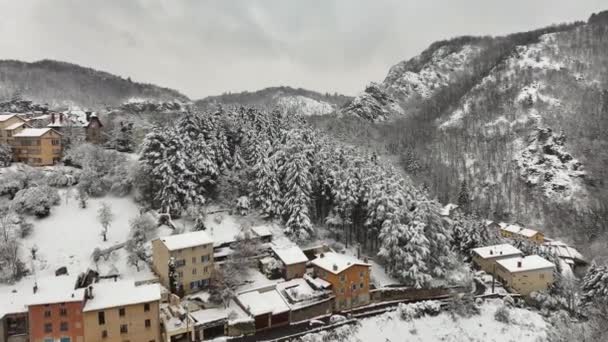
(36,201)
(61,178)
(463,306)
(503,315)
(408,312)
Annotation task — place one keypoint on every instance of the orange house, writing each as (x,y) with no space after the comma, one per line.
(348,276)
(55,311)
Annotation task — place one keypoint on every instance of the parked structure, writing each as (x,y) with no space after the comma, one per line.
(517,232)
(267,307)
(348,276)
(77,125)
(293,259)
(485,257)
(122,311)
(37,146)
(525,275)
(55,311)
(191,256)
(10,124)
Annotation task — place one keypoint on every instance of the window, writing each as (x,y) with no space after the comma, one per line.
(542,276)
(104,333)
(48,340)
(354,287)
(194,260)
(194,271)
(147,323)
(205,258)
(361,274)
(63,312)
(9,134)
(47,313)
(147,307)
(361,285)
(55,142)
(65,339)
(123,329)
(101,318)
(121,312)
(342,278)
(180,274)
(63,326)
(180,263)
(48,327)
(206,269)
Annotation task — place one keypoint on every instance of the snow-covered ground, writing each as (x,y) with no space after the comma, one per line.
(524,326)
(304,105)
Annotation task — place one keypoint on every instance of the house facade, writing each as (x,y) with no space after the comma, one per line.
(122,311)
(10,124)
(37,146)
(55,311)
(349,278)
(525,275)
(191,256)
(485,257)
(77,125)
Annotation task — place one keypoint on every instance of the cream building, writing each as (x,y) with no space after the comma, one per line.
(525,275)
(192,255)
(10,124)
(485,257)
(122,312)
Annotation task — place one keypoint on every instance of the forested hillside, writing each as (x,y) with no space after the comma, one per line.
(518,122)
(287,99)
(63,84)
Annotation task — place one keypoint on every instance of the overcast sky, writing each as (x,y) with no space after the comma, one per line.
(208,47)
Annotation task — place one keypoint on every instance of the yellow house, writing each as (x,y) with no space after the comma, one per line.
(10,124)
(122,311)
(525,275)
(348,276)
(37,146)
(485,257)
(192,256)
(514,231)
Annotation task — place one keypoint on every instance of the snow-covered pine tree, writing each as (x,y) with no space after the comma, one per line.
(438,235)
(595,285)
(266,187)
(464,200)
(297,182)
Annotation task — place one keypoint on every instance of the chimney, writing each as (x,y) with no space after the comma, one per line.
(88,114)
(519,264)
(322,255)
(335,267)
(52,118)
(365,260)
(491,252)
(90,292)
(35,287)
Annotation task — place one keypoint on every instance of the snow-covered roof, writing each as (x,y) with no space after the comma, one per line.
(528,263)
(209,315)
(32,132)
(563,250)
(496,251)
(447,209)
(186,240)
(15,125)
(53,290)
(258,302)
(262,231)
(336,263)
(290,255)
(73,117)
(121,293)
(515,229)
(4,117)
(317,282)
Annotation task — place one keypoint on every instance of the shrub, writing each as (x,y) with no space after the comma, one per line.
(503,314)
(36,200)
(61,178)
(408,312)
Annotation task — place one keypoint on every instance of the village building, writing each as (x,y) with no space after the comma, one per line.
(514,231)
(568,254)
(266,306)
(262,233)
(10,124)
(348,276)
(37,146)
(293,259)
(55,311)
(525,275)
(485,257)
(77,125)
(122,311)
(191,256)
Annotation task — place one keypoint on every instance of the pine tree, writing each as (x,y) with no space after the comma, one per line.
(595,285)
(267,193)
(463,197)
(438,235)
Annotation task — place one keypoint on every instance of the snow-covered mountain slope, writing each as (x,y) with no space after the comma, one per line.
(61,84)
(412,81)
(290,100)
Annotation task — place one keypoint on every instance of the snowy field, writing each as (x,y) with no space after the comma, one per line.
(525,326)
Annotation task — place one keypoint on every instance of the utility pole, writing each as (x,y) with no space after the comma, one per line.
(493,276)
